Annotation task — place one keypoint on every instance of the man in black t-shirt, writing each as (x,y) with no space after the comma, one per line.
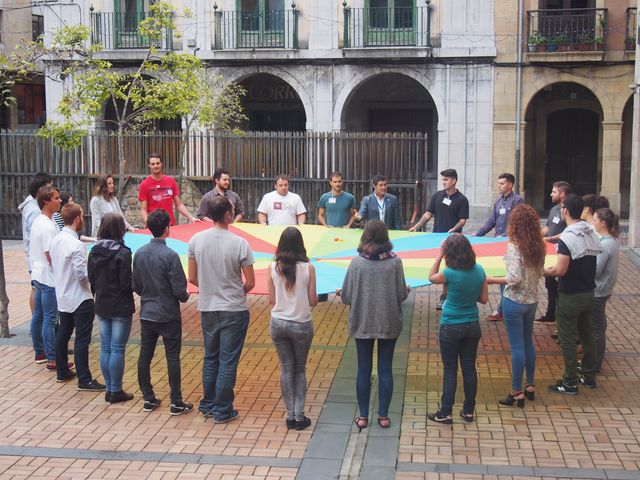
(451,209)
(578,248)
(449,206)
(551,233)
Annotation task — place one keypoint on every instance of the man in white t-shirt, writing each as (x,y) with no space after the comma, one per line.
(218,261)
(281,207)
(45,311)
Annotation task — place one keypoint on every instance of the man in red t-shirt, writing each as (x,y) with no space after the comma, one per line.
(160,191)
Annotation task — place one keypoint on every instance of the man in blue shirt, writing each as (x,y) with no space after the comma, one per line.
(499,219)
(336,208)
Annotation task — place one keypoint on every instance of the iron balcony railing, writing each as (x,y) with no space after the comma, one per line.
(120,31)
(387,27)
(256,29)
(632,29)
(567,29)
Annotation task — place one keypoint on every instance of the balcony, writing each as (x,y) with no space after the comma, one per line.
(632,28)
(567,30)
(387,27)
(256,29)
(115,31)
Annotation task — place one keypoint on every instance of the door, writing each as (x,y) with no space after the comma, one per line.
(567,21)
(572,150)
(261,23)
(128,15)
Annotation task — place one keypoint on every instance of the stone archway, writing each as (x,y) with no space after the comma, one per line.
(394,102)
(563,141)
(272,104)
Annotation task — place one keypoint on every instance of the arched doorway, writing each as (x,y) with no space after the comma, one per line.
(625,164)
(272,105)
(563,142)
(393,102)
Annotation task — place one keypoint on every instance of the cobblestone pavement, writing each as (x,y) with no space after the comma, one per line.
(51,430)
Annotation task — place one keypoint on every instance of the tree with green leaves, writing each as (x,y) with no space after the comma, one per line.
(92,82)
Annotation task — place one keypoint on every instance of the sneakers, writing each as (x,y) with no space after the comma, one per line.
(180,407)
(302,424)
(232,416)
(561,387)
(436,417)
(121,396)
(51,366)
(151,405)
(92,386)
(587,383)
(65,377)
(41,358)
(495,317)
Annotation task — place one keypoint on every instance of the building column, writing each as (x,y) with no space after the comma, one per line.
(611,157)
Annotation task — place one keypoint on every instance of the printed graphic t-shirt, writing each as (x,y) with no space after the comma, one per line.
(159,194)
(281,210)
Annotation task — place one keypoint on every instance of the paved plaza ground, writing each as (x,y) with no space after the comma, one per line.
(50,430)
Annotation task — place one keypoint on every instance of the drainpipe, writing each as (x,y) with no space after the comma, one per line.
(634,197)
(519,92)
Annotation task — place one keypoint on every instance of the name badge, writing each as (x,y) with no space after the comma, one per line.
(503,211)
(332,200)
(556,220)
(446,201)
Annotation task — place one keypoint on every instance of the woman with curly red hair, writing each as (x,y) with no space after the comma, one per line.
(524,263)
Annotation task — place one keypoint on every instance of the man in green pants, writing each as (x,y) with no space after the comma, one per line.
(578,248)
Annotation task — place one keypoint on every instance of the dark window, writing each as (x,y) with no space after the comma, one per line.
(30,104)
(37,27)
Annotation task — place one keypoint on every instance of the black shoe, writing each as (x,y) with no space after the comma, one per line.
(65,377)
(70,351)
(180,407)
(510,399)
(467,417)
(291,423)
(92,386)
(107,396)
(150,405)
(561,387)
(121,396)
(435,417)
(587,383)
(304,423)
(232,416)
(545,319)
(323,297)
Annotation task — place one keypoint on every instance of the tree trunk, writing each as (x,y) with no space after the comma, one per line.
(4,299)
(122,162)
(183,166)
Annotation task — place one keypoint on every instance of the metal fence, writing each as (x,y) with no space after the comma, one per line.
(387,27)
(120,31)
(253,160)
(567,29)
(256,29)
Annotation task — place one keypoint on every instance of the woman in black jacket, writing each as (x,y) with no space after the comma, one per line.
(111,282)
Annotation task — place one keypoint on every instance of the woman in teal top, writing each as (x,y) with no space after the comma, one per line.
(466,285)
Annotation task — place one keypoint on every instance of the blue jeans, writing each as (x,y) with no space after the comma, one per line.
(224,334)
(114,334)
(459,341)
(386,348)
(500,305)
(44,320)
(518,319)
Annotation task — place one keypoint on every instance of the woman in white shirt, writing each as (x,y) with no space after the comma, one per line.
(292,292)
(104,201)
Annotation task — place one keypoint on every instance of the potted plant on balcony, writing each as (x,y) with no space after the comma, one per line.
(563,42)
(537,42)
(586,41)
(553,44)
(630,43)
(599,43)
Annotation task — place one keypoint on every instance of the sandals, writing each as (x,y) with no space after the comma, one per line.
(361,422)
(530,391)
(384,422)
(435,417)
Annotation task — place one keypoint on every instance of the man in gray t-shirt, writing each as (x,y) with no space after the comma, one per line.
(218,260)
(551,233)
